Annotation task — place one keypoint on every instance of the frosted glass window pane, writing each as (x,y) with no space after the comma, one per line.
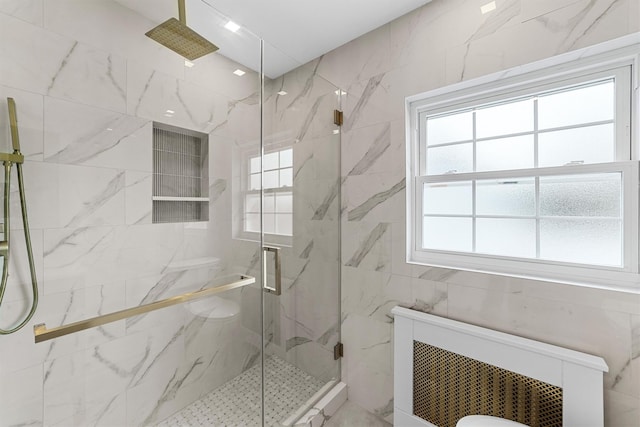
(587,241)
(576,106)
(269,223)
(252,223)
(269,203)
(252,203)
(515,197)
(255,182)
(581,195)
(508,237)
(284,202)
(505,153)
(451,198)
(286,158)
(453,128)
(254,165)
(591,144)
(284,224)
(271,161)
(452,234)
(286,177)
(457,158)
(271,179)
(504,119)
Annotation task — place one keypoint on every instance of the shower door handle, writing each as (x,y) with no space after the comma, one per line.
(277,288)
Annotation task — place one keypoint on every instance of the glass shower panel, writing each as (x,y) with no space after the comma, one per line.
(90,88)
(301,326)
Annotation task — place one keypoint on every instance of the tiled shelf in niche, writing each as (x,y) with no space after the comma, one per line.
(180,174)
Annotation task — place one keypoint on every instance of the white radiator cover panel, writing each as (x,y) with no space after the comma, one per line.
(579,375)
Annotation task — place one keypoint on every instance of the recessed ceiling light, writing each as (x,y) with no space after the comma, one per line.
(488,7)
(239,72)
(232,26)
(340,92)
(109,129)
(170,111)
(281,93)
(188,64)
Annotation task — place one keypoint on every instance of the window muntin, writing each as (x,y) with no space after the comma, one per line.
(278,194)
(511,173)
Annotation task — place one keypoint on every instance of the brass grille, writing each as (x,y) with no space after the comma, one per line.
(448,386)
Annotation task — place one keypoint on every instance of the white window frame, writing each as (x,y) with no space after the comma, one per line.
(618,59)
(243,233)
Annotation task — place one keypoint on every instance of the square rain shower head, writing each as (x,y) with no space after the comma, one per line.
(181,39)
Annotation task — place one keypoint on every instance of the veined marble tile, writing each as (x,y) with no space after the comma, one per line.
(634,17)
(154,95)
(81,135)
(91,196)
(599,299)
(30,122)
(67,307)
(399,263)
(368,102)
(581,24)
(80,257)
(19,351)
(138,194)
(373,294)
(368,55)
(309,306)
(429,297)
(367,365)
(27,10)
(92,23)
(621,410)
(145,290)
(315,200)
(47,63)
(445,24)
(88,387)
(21,397)
(368,150)
(41,187)
(367,245)
(374,197)
(534,9)
(601,333)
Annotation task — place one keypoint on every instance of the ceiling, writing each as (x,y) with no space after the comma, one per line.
(294,31)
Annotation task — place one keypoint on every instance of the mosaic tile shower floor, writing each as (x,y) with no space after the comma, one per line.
(237,402)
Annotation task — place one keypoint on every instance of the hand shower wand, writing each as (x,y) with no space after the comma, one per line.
(8,160)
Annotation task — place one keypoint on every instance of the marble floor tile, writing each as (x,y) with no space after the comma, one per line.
(352,415)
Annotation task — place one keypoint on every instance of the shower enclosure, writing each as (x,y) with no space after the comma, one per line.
(148,177)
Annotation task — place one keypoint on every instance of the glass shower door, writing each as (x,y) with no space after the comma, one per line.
(301,217)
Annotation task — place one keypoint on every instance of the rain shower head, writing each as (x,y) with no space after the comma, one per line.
(181,39)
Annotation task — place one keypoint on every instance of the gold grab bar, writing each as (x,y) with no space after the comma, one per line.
(43,334)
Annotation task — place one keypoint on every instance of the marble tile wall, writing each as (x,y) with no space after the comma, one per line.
(86,97)
(444,42)
(302,325)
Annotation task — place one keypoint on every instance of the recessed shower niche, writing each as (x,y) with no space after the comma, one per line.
(180,174)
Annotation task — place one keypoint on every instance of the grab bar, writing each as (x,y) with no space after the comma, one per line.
(43,334)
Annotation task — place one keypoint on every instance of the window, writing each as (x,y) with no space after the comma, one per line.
(278,194)
(530,176)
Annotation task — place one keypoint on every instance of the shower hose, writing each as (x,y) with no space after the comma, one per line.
(8,160)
